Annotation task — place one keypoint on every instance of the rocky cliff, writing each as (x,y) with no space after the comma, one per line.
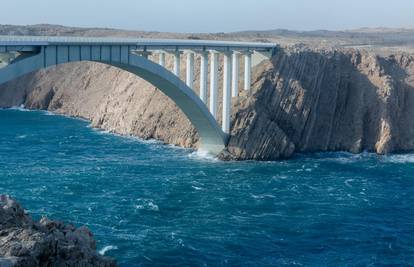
(339,100)
(303,100)
(25,242)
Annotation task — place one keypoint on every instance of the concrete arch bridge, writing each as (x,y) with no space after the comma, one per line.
(35,53)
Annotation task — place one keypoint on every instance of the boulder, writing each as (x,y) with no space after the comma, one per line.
(25,242)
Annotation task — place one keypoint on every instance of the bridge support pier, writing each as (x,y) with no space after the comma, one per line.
(190,70)
(203,76)
(227,73)
(248,71)
(235,75)
(177,61)
(213,83)
(161,59)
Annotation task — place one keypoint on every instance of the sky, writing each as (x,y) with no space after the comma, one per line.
(212,15)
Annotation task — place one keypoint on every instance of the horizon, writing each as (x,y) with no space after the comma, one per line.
(243,30)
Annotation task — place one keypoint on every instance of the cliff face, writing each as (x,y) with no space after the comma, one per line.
(307,101)
(303,100)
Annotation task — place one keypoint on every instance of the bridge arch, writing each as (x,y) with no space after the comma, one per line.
(212,138)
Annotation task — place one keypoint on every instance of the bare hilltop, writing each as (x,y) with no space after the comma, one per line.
(322,91)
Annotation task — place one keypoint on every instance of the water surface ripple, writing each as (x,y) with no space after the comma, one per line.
(151,204)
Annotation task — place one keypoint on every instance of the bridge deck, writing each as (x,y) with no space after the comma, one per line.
(150,44)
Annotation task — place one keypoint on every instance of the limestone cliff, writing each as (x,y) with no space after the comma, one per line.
(303,100)
(306,101)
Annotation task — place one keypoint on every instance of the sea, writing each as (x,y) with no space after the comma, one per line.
(151,204)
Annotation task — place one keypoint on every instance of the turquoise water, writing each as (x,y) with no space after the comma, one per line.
(150,204)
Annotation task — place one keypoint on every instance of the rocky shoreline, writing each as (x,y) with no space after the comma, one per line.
(25,242)
(303,100)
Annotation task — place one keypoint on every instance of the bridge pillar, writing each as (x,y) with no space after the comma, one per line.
(177,62)
(161,59)
(190,70)
(227,73)
(203,76)
(235,75)
(213,83)
(247,70)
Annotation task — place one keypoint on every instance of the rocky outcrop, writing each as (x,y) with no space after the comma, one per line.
(307,101)
(25,242)
(303,100)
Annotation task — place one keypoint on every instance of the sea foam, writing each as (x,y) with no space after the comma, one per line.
(106,249)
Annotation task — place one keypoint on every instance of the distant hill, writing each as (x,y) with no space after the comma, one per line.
(372,38)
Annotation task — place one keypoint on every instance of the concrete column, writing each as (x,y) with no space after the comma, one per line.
(213,83)
(190,70)
(235,75)
(161,59)
(247,71)
(177,63)
(226,92)
(203,76)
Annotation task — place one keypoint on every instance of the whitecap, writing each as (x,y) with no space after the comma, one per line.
(147,204)
(153,206)
(203,155)
(172,146)
(19,108)
(49,113)
(348,182)
(406,158)
(125,136)
(106,249)
(279,177)
(262,196)
(99,130)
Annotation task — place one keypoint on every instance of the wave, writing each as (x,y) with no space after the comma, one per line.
(203,155)
(106,249)
(130,137)
(49,113)
(19,108)
(146,204)
(403,158)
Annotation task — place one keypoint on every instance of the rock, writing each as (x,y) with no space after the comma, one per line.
(308,101)
(25,242)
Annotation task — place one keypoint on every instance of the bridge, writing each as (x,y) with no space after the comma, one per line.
(34,53)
